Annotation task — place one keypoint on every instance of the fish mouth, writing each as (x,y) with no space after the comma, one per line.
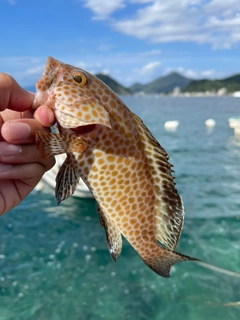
(81,130)
(89,130)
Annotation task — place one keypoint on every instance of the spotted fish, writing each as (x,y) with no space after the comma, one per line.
(123,165)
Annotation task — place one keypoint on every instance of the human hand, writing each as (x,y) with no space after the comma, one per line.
(21,164)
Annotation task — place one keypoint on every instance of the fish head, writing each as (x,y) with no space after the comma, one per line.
(68,91)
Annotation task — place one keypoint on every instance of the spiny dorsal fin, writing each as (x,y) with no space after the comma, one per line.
(113,235)
(168,204)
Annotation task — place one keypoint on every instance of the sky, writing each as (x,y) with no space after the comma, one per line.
(130,40)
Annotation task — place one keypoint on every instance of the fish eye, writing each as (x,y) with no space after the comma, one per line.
(79,78)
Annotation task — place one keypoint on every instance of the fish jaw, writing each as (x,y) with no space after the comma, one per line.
(74,104)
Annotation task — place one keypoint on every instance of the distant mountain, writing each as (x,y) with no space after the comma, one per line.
(162,84)
(114,85)
(137,87)
(167,84)
(231,84)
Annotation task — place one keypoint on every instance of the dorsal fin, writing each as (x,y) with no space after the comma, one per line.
(168,204)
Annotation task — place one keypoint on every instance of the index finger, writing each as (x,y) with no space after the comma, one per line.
(13,96)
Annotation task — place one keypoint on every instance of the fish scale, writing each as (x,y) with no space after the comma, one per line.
(123,165)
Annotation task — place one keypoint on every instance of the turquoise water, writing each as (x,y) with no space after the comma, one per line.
(54,262)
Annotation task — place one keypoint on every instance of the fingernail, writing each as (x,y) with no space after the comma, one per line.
(5,167)
(7,149)
(19,130)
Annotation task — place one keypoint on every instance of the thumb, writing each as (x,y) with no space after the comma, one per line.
(13,96)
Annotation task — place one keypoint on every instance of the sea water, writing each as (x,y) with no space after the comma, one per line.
(54,261)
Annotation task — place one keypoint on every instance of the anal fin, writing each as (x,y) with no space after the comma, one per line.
(113,235)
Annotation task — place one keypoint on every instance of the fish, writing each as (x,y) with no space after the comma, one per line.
(124,166)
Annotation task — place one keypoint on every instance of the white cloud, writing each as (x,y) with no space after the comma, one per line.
(216,22)
(35,70)
(26,70)
(103,9)
(82,64)
(105,47)
(189,73)
(150,67)
(106,72)
(163,21)
(150,53)
(222,7)
(125,67)
(208,73)
(11,2)
(195,74)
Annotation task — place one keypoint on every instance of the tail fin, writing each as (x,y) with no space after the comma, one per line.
(162,264)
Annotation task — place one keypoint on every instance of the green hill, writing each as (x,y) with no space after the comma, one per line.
(167,83)
(114,85)
(137,87)
(162,84)
(231,84)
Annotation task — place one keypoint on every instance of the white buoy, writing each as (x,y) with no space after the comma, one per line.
(234,123)
(171,125)
(210,123)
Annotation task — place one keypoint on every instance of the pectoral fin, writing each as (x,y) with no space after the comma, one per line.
(113,235)
(67,179)
(53,144)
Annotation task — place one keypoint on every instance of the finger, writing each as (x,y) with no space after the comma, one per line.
(8,114)
(19,181)
(26,171)
(12,96)
(45,116)
(21,131)
(19,154)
